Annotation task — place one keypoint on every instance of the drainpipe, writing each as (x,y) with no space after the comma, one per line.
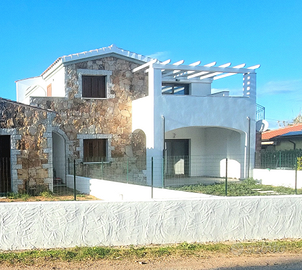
(248,147)
(164,134)
(293,144)
(163,163)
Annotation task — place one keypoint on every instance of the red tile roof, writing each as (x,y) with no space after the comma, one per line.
(273,133)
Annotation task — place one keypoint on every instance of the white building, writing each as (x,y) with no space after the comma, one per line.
(195,129)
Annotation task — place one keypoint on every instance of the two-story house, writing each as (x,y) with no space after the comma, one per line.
(102,101)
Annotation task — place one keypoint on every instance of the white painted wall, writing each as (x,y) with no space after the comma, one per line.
(115,191)
(96,223)
(34,85)
(57,80)
(285,178)
(200,89)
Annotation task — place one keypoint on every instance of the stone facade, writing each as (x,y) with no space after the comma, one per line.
(33,128)
(82,118)
(27,127)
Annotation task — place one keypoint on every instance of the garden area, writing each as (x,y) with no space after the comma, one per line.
(248,187)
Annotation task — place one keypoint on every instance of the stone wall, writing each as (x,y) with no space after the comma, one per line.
(30,148)
(111,117)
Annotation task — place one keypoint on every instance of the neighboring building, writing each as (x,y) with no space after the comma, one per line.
(105,104)
(286,138)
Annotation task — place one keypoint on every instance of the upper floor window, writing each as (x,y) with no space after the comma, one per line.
(175,89)
(94,86)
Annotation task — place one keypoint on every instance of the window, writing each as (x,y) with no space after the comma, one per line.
(94,86)
(95,150)
(175,89)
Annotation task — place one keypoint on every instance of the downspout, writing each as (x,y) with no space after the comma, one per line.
(248,146)
(293,144)
(163,163)
(164,134)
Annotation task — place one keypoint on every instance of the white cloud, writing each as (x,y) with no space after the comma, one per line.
(162,56)
(281,87)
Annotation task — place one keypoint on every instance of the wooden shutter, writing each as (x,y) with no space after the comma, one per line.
(94,86)
(49,90)
(95,150)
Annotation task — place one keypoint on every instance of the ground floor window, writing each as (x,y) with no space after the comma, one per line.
(95,150)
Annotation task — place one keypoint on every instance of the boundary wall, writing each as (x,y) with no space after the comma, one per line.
(285,178)
(96,223)
(115,191)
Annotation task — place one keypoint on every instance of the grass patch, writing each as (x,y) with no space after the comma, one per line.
(248,187)
(150,252)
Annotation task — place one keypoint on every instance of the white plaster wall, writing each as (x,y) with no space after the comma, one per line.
(96,223)
(142,118)
(115,191)
(25,86)
(200,89)
(284,178)
(57,81)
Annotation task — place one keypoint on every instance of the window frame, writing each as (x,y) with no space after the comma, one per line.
(173,84)
(97,73)
(109,148)
(95,150)
(94,86)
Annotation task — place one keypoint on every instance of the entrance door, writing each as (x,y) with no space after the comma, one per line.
(177,157)
(5,175)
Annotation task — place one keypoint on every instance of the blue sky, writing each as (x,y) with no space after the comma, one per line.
(35,33)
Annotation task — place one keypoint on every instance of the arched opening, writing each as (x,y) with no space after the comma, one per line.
(198,155)
(59,159)
(136,157)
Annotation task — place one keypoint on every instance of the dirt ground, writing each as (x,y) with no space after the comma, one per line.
(267,261)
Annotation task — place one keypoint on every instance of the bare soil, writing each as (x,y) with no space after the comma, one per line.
(254,261)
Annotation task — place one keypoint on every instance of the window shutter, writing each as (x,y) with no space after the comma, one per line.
(94,86)
(49,90)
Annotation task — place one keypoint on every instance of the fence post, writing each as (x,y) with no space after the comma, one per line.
(127,170)
(151,177)
(226,177)
(163,173)
(296,176)
(74,181)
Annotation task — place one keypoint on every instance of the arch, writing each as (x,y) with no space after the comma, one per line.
(138,147)
(59,158)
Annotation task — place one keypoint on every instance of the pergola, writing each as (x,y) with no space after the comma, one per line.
(194,71)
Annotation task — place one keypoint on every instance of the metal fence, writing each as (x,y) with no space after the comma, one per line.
(171,171)
(163,172)
(286,159)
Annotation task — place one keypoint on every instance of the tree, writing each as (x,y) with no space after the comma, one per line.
(298,119)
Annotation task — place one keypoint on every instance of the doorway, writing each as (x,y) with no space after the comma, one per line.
(59,159)
(177,157)
(5,173)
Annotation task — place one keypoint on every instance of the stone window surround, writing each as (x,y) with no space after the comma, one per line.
(82,137)
(93,72)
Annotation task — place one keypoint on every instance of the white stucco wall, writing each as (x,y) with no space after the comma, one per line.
(57,81)
(285,178)
(200,89)
(115,191)
(95,223)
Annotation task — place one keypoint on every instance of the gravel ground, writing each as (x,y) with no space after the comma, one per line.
(223,262)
